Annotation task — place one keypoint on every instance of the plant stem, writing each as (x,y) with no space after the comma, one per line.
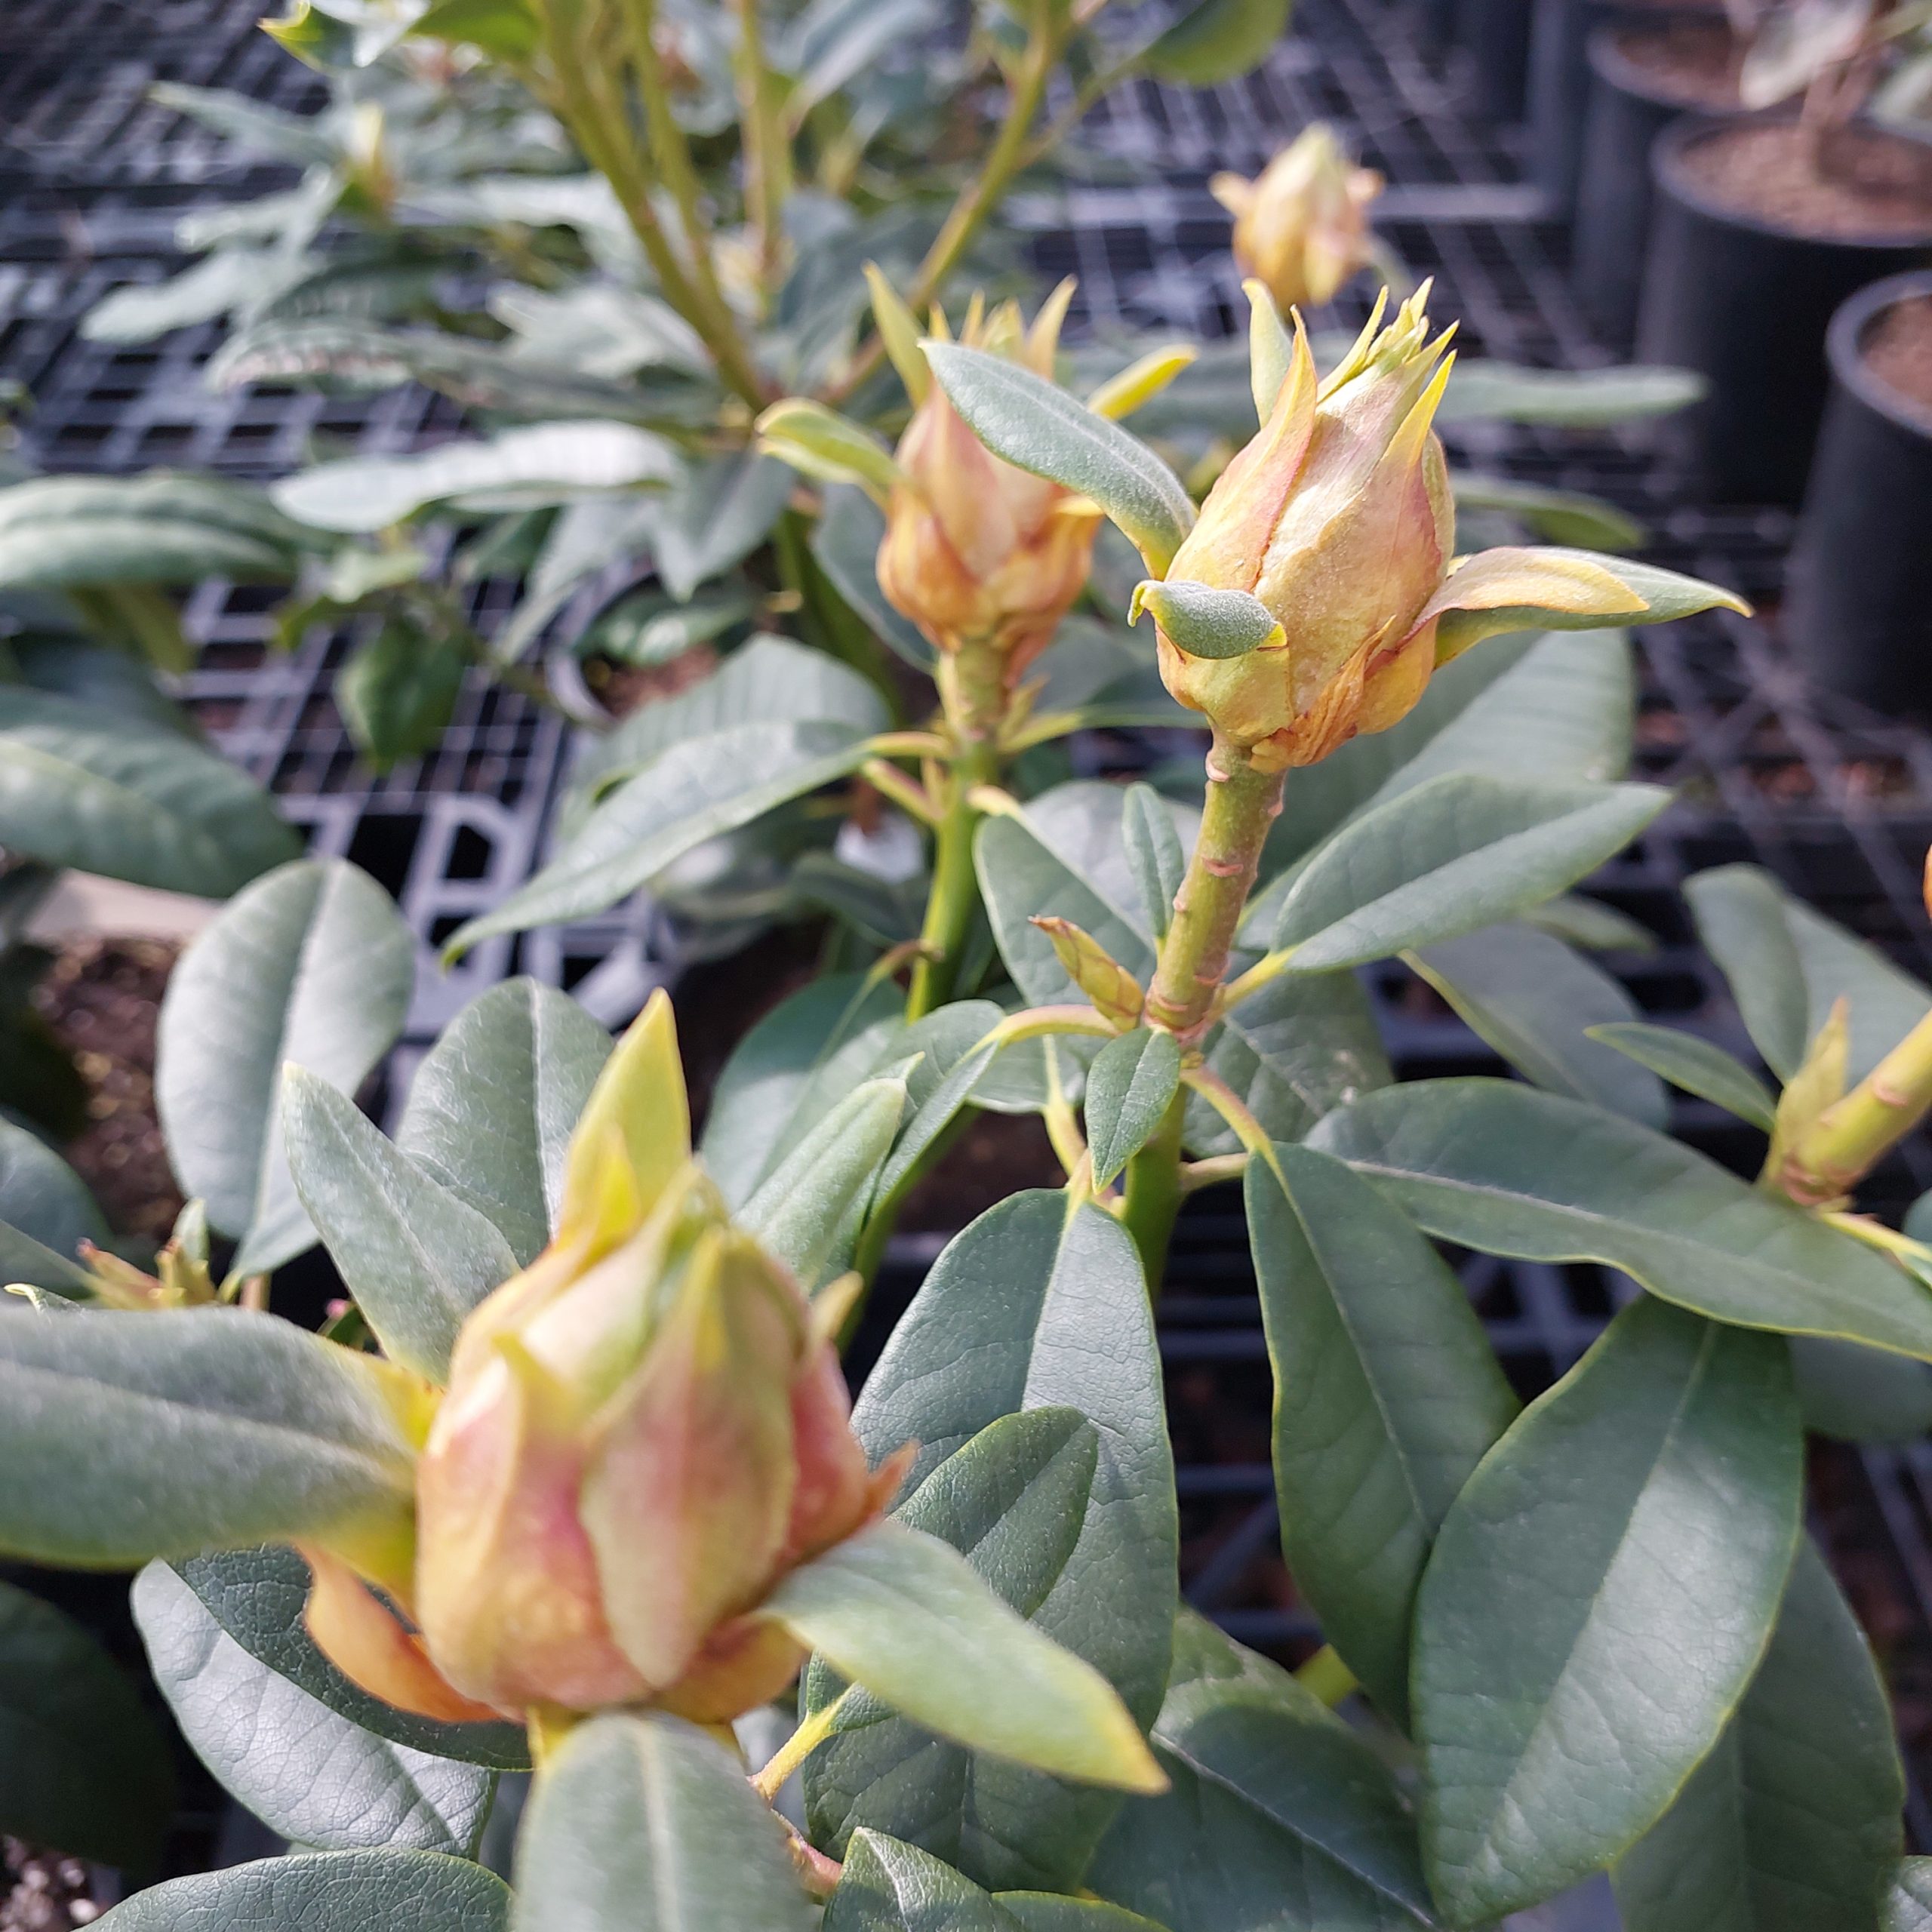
(767,155)
(1242,803)
(1328,1676)
(1153,1193)
(1853,1135)
(811,1733)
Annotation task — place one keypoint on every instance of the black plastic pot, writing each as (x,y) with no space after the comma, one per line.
(1627,108)
(1558,89)
(1497,35)
(1746,303)
(1858,610)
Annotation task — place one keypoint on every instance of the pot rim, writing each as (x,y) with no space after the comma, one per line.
(1610,64)
(1844,350)
(1667,173)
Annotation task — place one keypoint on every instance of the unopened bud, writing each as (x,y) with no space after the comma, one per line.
(1301,227)
(1115,993)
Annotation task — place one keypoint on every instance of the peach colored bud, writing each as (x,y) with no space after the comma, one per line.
(1301,227)
(1338,517)
(977,552)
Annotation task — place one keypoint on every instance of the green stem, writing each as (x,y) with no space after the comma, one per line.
(833,625)
(1849,1139)
(1153,1193)
(1242,803)
(767,153)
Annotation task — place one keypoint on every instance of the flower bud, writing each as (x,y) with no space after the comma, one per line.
(643,1431)
(1301,227)
(1338,517)
(979,554)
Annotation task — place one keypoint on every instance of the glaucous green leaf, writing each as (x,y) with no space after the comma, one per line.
(169,527)
(1133,1079)
(889,1886)
(1858,1395)
(642,1824)
(1590,923)
(906,1616)
(415,1258)
(1458,852)
(1792,1824)
(83,1767)
(1282,1819)
(952,1063)
(820,1190)
(692,792)
(1387,1395)
(1788,965)
(1649,1506)
(312,964)
(1563,516)
(105,794)
(1216,41)
(1499,1167)
(326,1891)
(845,545)
(1038,427)
(1908,1906)
(1204,622)
(46,1212)
(720,513)
(1052,1912)
(307,1772)
(398,692)
(366,493)
(1154,853)
(1005,1324)
(1698,1066)
(1304,1044)
(130,1436)
(1536,1002)
(491,1107)
(1482,390)
(258,1596)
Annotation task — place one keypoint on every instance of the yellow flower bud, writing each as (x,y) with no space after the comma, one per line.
(1337,517)
(643,1431)
(1301,227)
(978,553)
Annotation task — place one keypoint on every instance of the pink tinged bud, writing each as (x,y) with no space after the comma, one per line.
(1302,227)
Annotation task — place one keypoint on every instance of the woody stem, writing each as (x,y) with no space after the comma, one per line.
(1242,803)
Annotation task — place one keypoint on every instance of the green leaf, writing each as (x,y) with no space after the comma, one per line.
(845,545)
(888,1886)
(1792,1824)
(312,964)
(491,1107)
(1207,623)
(1591,924)
(258,1597)
(721,513)
(1049,1911)
(1216,41)
(105,794)
(1500,1168)
(1788,965)
(415,1258)
(1653,1495)
(1129,1086)
(1540,1005)
(326,1891)
(398,691)
(504,29)
(819,442)
(46,1212)
(906,1616)
(1387,1395)
(1569,398)
(817,1193)
(1154,853)
(1858,1395)
(1303,1045)
(307,1772)
(58,532)
(1280,1820)
(130,1436)
(1038,427)
(1003,1325)
(1563,516)
(83,1767)
(1698,1066)
(692,793)
(1907,1907)
(642,1824)
(366,493)
(764,1085)
(1459,852)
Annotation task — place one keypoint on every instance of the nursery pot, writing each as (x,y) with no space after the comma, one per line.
(1858,610)
(1744,299)
(1496,34)
(1630,102)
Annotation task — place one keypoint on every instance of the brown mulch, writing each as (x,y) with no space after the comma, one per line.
(1870,186)
(102,997)
(1898,351)
(1692,61)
